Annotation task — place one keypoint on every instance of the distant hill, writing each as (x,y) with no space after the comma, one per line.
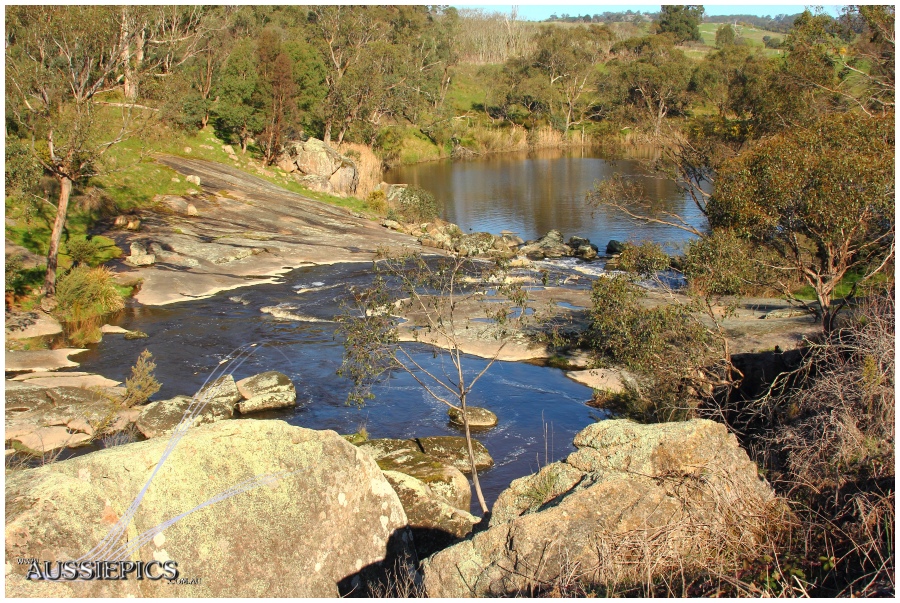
(779,24)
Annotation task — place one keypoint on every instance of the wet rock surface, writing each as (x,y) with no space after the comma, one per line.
(479,418)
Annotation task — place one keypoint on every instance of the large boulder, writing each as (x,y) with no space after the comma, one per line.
(220,392)
(322,516)
(405,456)
(433,521)
(266,391)
(319,167)
(163,416)
(634,501)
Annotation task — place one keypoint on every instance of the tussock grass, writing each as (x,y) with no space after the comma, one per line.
(84,295)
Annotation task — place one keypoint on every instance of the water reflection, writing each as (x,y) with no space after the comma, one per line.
(533,192)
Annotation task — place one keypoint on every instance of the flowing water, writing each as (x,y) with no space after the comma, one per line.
(539,408)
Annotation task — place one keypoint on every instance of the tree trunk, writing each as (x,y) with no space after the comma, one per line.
(327,135)
(65,190)
(475,483)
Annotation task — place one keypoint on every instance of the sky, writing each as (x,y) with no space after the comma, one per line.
(535,11)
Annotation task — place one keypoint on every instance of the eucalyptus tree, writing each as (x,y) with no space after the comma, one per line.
(58,60)
(431,293)
(821,197)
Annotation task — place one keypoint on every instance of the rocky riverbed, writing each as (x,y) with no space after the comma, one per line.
(408,496)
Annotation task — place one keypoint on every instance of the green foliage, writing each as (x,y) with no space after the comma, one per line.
(84,292)
(644,259)
(142,384)
(682,21)
(725,36)
(721,263)
(239,112)
(82,251)
(377,201)
(821,198)
(666,345)
(417,205)
(655,84)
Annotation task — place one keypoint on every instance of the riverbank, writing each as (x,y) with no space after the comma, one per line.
(241,230)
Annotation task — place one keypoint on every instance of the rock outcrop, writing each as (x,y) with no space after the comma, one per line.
(434,522)
(321,514)
(42,419)
(319,167)
(633,501)
(160,418)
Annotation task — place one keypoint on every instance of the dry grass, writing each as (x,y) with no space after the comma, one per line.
(368,166)
(830,449)
(493,140)
(546,137)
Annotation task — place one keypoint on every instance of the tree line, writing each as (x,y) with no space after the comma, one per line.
(262,75)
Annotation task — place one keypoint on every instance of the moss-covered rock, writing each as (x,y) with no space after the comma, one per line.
(634,501)
(405,456)
(434,523)
(453,451)
(163,416)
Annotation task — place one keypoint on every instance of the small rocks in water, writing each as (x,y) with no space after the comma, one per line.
(136,335)
(614,247)
(266,391)
(478,417)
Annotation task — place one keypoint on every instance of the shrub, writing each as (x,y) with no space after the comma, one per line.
(830,444)
(82,251)
(674,355)
(724,264)
(416,205)
(645,259)
(84,293)
(142,384)
(377,201)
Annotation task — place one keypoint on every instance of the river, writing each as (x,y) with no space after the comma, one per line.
(539,408)
(533,192)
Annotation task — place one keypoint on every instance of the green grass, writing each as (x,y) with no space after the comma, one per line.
(138,177)
(467,88)
(843,288)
